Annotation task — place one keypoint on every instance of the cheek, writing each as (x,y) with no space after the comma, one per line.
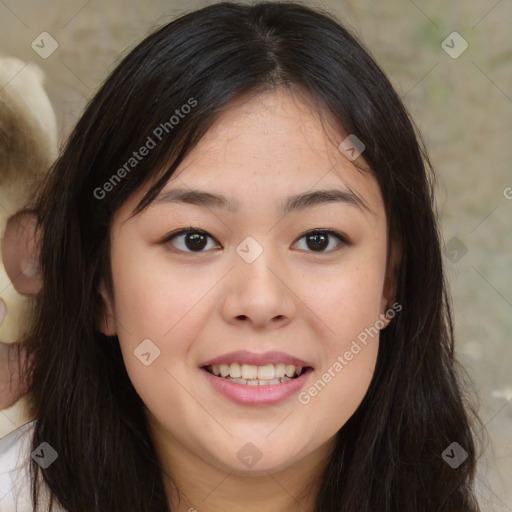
(152,297)
(158,303)
(349,307)
(343,384)
(340,383)
(346,301)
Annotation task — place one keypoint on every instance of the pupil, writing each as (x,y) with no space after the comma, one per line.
(197,241)
(317,237)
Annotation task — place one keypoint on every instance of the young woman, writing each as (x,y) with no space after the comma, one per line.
(244,304)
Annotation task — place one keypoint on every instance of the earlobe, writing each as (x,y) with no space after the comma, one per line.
(20,253)
(107,319)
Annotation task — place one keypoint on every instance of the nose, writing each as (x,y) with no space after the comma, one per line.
(259,293)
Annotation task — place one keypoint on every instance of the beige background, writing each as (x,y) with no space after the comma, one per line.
(463,107)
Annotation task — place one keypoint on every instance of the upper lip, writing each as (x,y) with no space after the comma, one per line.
(246,357)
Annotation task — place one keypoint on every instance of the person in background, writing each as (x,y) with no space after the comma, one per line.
(28,146)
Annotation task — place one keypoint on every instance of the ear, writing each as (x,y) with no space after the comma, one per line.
(20,253)
(389,291)
(107,318)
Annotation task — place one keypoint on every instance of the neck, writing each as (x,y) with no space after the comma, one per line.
(274,492)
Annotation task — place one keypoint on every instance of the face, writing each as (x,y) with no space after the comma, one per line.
(257,290)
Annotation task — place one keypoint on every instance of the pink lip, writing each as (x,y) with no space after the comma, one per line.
(257,395)
(245,357)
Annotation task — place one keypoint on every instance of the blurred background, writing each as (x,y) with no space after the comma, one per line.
(451,62)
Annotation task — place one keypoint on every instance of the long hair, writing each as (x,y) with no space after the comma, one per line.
(388,455)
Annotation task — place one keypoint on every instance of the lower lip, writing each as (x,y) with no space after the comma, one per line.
(257,395)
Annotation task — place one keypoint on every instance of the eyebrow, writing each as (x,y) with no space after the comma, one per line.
(293,203)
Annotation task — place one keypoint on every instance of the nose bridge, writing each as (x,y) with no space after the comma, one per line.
(257,263)
(258,291)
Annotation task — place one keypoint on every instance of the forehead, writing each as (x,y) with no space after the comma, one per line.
(267,147)
(278,131)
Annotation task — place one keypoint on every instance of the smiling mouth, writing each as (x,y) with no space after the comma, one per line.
(252,375)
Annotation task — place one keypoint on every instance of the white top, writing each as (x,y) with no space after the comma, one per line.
(15,484)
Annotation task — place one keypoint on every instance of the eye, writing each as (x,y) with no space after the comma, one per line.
(318,239)
(194,239)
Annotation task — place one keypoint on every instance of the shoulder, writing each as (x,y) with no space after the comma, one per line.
(15,484)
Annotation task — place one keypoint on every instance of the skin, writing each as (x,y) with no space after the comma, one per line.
(310,303)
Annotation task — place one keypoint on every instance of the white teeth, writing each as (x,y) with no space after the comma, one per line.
(235,370)
(258,382)
(249,371)
(265,374)
(280,370)
(290,370)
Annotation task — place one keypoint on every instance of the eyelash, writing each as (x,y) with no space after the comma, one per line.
(181,232)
